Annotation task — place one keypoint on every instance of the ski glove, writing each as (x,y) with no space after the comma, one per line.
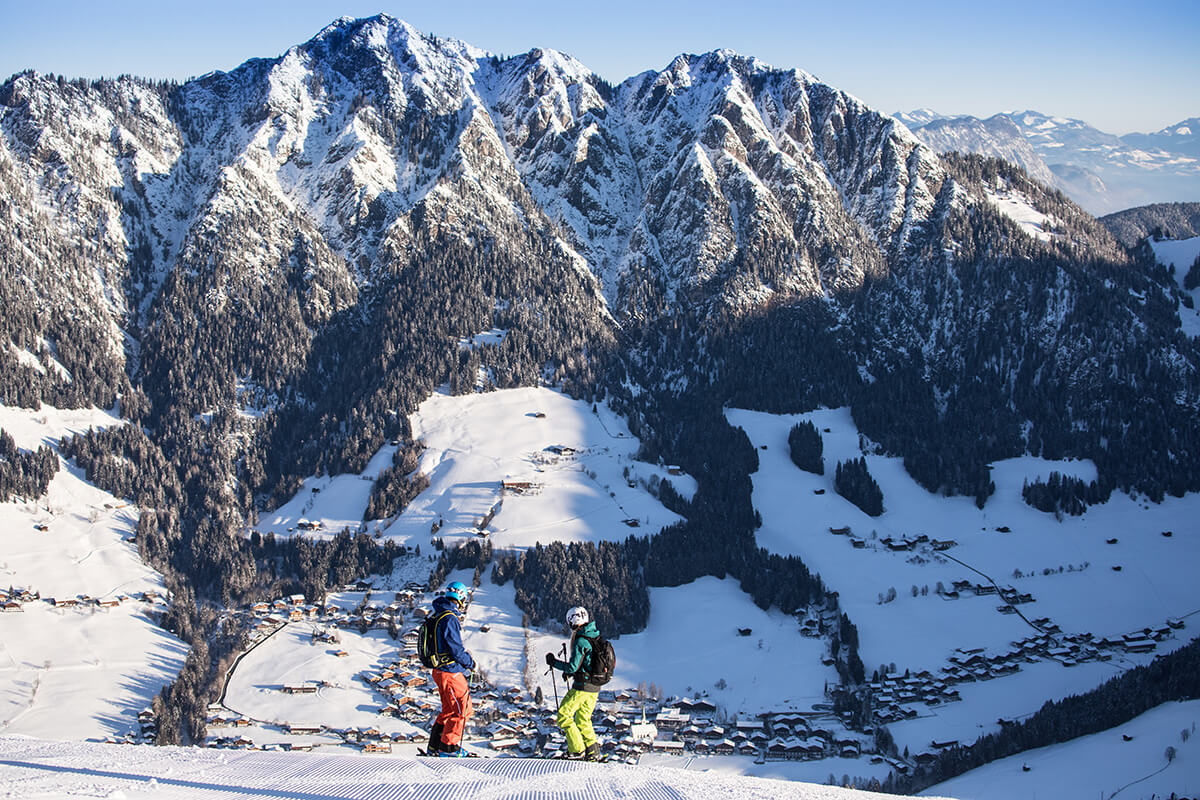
(550,659)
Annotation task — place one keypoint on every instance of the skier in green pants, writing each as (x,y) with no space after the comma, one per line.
(575,713)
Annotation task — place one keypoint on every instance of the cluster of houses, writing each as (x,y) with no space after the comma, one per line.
(895,544)
(893,695)
(13,600)
(1008,594)
(266,617)
(146,733)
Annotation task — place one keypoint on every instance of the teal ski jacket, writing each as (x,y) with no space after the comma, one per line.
(579,667)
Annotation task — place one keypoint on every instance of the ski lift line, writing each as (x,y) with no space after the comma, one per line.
(1015,607)
(234,666)
(1161,769)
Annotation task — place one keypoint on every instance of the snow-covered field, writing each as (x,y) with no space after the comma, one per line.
(691,644)
(580,465)
(84,671)
(1017,207)
(1101,765)
(36,770)
(922,631)
(1181,254)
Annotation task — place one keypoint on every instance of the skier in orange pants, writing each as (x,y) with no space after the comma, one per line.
(450,674)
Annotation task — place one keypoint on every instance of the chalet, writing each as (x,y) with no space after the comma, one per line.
(506,743)
(747,749)
(674,469)
(561,450)
(748,726)
(665,746)
(298,730)
(299,688)
(12,606)
(724,748)
(843,531)
(64,602)
(518,487)
(697,706)
(108,602)
(897,545)
(778,748)
(1139,645)
(942,544)
(671,719)
(377,747)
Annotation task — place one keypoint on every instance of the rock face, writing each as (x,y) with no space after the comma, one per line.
(308,239)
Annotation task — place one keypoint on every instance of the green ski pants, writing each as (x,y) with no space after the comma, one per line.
(575,719)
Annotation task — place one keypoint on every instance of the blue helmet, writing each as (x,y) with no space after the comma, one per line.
(457,591)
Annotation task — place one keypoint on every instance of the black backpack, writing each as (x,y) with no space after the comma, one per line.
(427,642)
(604,661)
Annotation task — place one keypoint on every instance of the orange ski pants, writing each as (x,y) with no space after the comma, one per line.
(456,705)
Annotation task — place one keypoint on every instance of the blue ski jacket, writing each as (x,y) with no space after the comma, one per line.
(449,636)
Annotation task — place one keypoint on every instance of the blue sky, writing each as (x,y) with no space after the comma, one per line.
(1121,66)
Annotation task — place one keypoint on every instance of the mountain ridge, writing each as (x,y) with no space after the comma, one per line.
(1103,172)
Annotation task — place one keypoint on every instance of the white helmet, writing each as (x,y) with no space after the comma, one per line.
(577,617)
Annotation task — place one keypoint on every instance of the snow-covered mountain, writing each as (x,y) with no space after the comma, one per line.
(344,214)
(1100,171)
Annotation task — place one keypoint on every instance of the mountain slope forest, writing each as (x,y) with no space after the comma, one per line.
(265,271)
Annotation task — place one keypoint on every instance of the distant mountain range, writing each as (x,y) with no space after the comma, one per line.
(1102,172)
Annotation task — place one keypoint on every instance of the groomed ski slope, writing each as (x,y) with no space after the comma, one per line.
(41,770)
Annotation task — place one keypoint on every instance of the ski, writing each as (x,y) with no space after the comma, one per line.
(427,754)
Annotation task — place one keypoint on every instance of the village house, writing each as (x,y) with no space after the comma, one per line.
(299,688)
